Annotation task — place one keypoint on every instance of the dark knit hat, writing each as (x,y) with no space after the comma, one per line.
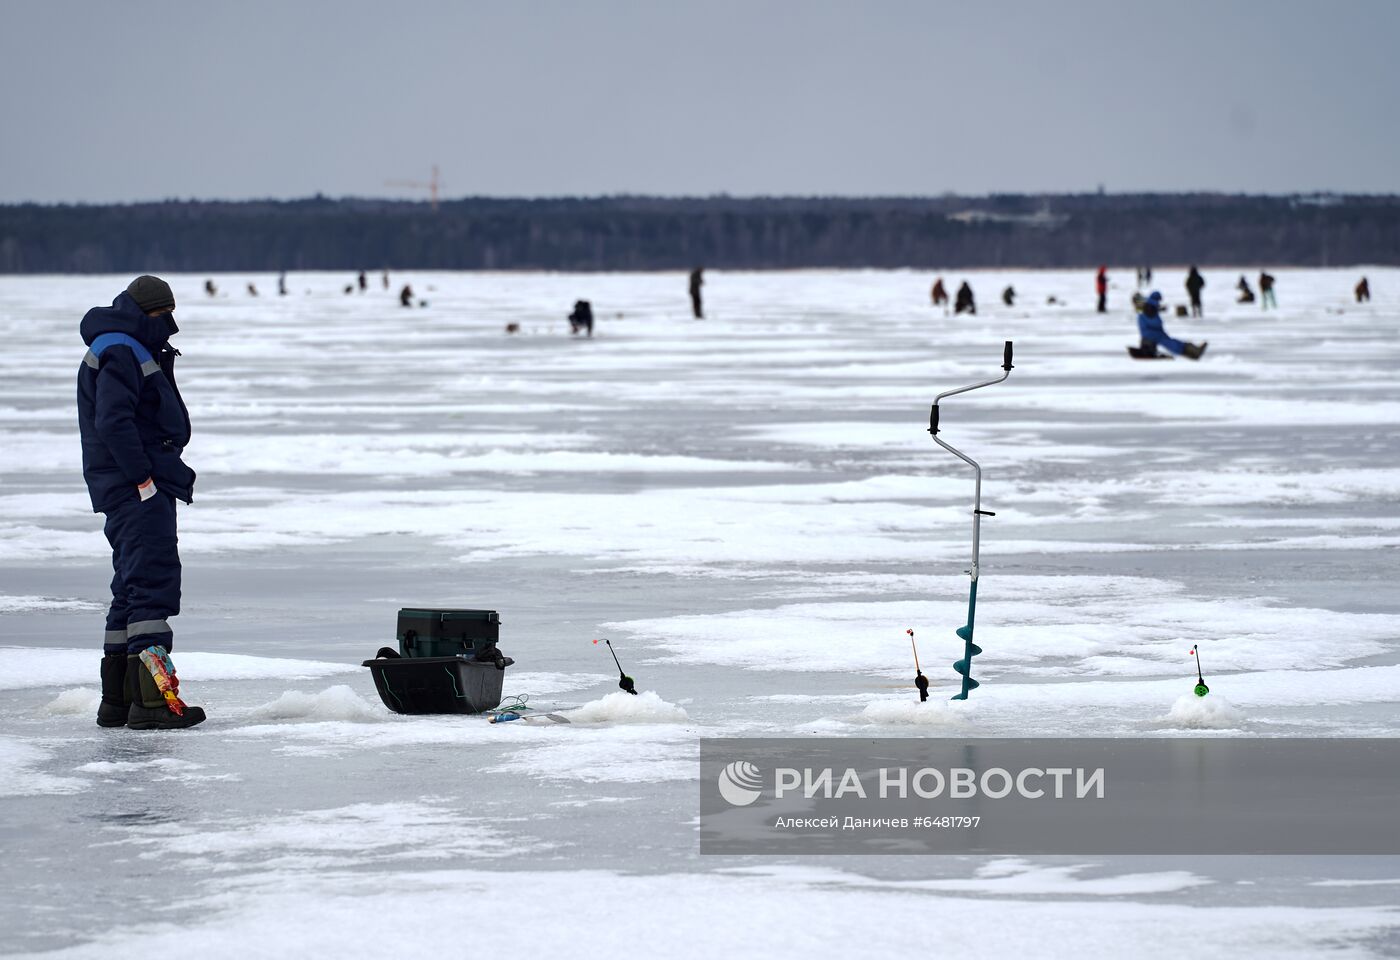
(151,294)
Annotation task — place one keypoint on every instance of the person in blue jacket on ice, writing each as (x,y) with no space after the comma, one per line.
(134,428)
(1154,335)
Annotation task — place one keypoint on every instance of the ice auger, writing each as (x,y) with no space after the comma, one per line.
(970,650)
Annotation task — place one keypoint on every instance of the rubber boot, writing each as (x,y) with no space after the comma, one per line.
(111,712)
(151,708)
(1193,352)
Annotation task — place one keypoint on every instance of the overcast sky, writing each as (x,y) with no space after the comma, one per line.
(133,100)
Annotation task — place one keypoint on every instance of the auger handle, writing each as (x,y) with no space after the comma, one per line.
(1006,368)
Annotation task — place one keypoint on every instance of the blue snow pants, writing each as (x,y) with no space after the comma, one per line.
(146,574)
(1152,332)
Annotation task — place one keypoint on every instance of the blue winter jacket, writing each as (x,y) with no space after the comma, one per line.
(131,418)
(1152,331)
(1150,326)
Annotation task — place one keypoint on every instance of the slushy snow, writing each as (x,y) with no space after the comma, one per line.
(932,715)
(622,707)
(1211,712)
(334,703)
(77,702)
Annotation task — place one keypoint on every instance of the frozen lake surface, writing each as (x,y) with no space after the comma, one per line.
(750,507)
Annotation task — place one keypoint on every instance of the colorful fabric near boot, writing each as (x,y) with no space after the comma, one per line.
(157,661)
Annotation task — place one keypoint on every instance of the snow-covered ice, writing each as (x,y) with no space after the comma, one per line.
(951,717)
(334,703)
(619,707)
(751,509)
(1210,712)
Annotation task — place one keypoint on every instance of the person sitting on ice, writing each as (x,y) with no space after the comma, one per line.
(1246,294)
(1008,296)
(581,318)
(965,303)
(1154,336)
(1363,291)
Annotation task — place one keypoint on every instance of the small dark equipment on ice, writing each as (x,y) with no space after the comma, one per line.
(1148,351)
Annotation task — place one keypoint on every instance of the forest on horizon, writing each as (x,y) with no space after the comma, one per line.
(656,233)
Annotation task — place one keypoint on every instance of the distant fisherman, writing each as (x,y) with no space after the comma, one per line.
(1101,287)
(965,303)
(581,318)
(1154,336)
(134,428)
(1246,294)
(1194,283)
(939,294)
(697,278)
(1266,291)
(1008,296)
(406,296)
(1363,291)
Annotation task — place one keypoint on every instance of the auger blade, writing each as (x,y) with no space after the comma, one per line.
(969,684)
(964,667)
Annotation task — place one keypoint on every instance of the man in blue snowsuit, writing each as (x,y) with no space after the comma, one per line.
(134,427)
(1154,336)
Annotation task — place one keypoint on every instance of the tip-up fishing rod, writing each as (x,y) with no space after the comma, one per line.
(970,650)
(920,680)
(625,682)
(1201,688)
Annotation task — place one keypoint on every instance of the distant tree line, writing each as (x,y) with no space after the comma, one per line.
(646,233)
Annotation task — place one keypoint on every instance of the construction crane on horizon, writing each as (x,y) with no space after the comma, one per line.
(431,186)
